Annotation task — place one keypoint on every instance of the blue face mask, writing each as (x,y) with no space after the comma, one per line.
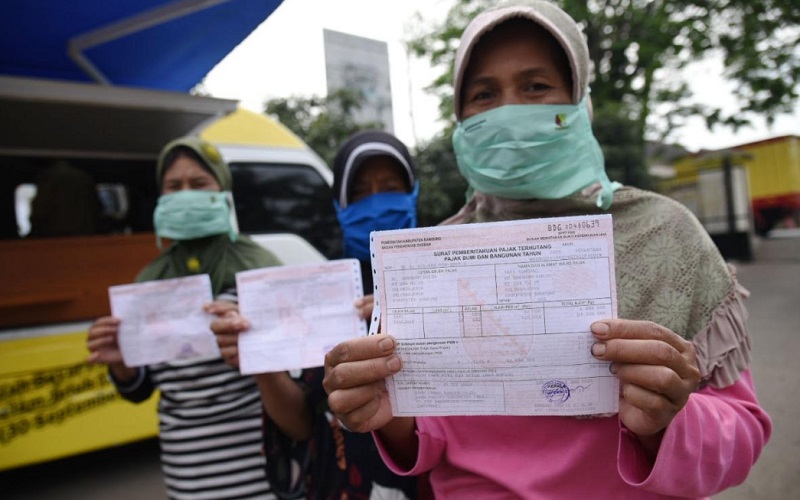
(192,214)
(378,212)
(532,151)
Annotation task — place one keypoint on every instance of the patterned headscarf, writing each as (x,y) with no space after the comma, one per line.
(545,14)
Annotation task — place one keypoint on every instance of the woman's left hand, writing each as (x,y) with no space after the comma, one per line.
(657,370)
(227,327)
(364,306)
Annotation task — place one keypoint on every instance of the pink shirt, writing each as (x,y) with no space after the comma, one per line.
(709,446)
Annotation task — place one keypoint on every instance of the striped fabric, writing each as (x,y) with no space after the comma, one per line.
(210,430)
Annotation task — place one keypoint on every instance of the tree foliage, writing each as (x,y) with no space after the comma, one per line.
(623,148)
(442,188)
(324,123)
(639,48)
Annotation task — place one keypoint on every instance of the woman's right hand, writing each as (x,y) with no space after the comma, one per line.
(364,306)
(102,341)
(354,380)
(227,327)
(355,373)
(283,399)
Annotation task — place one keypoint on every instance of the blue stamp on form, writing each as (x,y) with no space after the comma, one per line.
(555,391)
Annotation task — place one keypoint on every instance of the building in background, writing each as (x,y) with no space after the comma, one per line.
(361,64)
(741,191)
(770,176)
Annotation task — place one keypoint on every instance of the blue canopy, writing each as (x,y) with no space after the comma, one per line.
(156,44)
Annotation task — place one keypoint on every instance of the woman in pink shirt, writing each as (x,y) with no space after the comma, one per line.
(689,423)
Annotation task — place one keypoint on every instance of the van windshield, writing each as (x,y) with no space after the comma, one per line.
(290,198)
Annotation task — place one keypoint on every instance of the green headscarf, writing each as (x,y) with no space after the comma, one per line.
(209,155)
(216,255)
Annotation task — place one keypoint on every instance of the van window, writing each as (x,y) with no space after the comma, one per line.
(292,198)
(112,209)
(78,197)
(23,196)
(114,202)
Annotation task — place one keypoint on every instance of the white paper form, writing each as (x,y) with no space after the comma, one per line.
(493,318)
(164,320)
(297,313)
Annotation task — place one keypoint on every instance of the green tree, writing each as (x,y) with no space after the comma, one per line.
(623,148)
(324,123)
(638,48)
(441,187)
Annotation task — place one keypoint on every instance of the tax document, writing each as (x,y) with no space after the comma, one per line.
(493,318)
(297,313)
(164,320)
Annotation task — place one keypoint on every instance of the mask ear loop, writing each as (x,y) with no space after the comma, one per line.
(606,195)
(233,232)
(159,242)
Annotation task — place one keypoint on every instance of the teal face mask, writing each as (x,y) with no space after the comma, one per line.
(524,151)
(192,214)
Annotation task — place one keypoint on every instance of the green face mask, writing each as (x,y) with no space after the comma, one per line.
(525,151)
(192,214)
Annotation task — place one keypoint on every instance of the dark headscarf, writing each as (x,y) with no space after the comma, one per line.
(216,255)
(358,148)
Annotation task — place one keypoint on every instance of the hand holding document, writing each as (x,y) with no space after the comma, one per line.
(164,320)
(493,318)
(297,314)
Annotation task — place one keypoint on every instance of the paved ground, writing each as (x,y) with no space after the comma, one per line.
(774,281)
(133,472)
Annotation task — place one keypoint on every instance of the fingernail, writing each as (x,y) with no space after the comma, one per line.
(393,363)
(613,368)
(600,329)
(386,344)
(598,349)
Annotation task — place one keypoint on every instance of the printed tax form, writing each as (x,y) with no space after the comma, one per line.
(493,318)
(164,320)
(297,313)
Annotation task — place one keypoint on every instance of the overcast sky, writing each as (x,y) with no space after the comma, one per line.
(285,56)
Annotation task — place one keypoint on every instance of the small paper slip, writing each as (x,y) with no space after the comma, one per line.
(297,313)
(493,318)
(164,320)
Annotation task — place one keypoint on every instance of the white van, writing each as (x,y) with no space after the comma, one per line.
(52,404)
